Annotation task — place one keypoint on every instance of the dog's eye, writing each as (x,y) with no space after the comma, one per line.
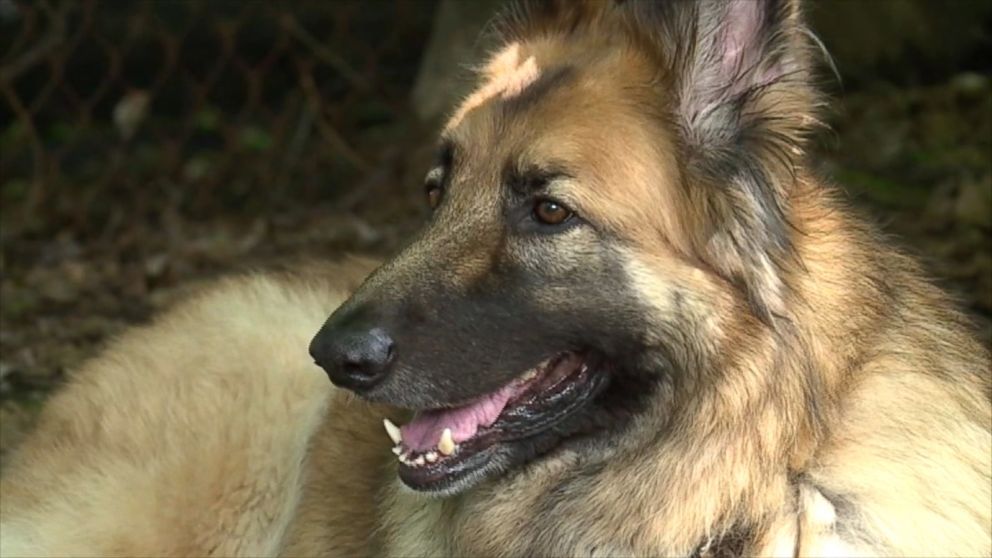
(550,212)
(434,196)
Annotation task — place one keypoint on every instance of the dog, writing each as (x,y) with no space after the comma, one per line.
(636,323)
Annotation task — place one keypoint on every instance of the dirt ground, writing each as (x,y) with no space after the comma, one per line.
(917,159)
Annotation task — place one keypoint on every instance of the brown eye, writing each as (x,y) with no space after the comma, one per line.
(434,197)
(551,212)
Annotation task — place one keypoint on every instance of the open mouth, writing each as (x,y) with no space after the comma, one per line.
(440,447)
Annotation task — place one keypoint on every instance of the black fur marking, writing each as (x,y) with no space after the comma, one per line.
(531,180)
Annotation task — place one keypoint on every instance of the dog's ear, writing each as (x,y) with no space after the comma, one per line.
(740,94)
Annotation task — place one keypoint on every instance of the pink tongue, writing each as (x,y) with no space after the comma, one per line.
(424,431)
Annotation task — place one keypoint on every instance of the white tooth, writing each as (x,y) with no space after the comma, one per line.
(397,450)
(446,445)
(530,375)
(431,456)
(393,431)
(419,461)
(399,458)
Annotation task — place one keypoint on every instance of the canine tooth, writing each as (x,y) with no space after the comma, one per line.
(393,431)
(531,374)
(397,450)
(419,461)
(446,445)
(431,456)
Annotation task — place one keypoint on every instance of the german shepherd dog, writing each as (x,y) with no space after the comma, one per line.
(636,323)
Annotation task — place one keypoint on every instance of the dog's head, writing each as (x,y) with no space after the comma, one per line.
(615,187)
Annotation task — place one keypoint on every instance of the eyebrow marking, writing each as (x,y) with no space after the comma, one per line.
(508,77)
(547,82)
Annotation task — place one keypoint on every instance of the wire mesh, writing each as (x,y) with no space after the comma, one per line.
(111,111)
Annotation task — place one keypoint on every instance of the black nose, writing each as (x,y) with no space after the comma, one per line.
(356,359)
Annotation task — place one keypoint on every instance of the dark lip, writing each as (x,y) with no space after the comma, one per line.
(531,415)
(456,403)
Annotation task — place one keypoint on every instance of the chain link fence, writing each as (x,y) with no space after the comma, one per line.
(110,111)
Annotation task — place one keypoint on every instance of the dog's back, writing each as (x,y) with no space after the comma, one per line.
(187,437)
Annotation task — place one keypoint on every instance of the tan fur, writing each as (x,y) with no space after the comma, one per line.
(825,430)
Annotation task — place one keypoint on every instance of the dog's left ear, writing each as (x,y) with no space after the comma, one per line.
(741,96)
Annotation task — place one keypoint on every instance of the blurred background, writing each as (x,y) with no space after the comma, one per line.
(146,146)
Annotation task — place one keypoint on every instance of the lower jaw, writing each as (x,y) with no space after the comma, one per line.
(451,479)
(484,458)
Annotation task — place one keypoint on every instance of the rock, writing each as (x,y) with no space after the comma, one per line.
(971,85)
(156,265)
